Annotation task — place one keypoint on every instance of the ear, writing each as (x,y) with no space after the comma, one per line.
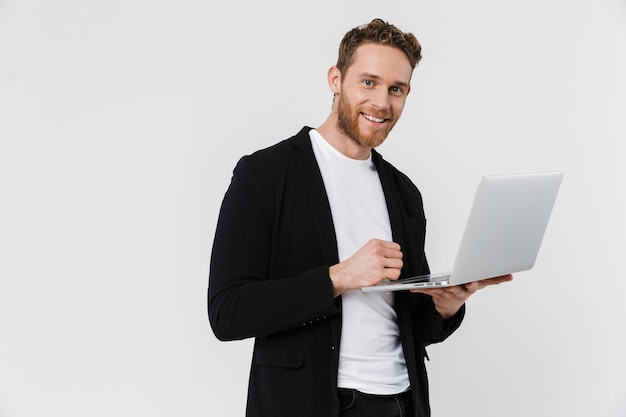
(334,79)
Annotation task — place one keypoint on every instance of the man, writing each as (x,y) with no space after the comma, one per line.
(309,221)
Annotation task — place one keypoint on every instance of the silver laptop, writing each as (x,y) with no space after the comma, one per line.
(503,234)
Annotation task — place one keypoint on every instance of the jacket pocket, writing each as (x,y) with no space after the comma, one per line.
(285,356)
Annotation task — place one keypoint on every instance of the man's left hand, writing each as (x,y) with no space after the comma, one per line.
(450,299)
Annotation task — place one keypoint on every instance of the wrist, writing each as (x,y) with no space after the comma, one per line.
(337,279)
(448,313)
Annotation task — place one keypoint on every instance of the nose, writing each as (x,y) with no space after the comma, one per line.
(380,99)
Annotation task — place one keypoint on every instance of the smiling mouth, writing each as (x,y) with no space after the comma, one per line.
(372,118)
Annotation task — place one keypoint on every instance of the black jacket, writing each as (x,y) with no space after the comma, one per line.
(274,243)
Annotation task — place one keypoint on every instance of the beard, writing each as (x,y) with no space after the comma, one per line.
(348,121)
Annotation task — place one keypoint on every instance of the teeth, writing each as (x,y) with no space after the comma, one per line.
(373,119)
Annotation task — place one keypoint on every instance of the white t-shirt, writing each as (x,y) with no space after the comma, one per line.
(370,355)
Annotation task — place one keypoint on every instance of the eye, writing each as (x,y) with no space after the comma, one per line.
(368,83)
(398,91)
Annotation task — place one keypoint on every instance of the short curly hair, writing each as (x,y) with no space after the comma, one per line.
(380,32)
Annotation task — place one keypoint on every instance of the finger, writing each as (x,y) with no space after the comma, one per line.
(428,291)
(392,253)
(394,263)
(433,292)
(390,245)
(457,293)
(392,273)
(497,280)
(390,250)
(456,288)
(505,278)
(472,287)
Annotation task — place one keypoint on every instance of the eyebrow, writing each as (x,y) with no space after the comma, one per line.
(377,77)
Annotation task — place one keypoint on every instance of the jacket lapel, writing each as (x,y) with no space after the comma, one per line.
(391,198)
(314,186)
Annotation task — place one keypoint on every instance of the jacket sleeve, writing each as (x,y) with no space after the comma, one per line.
(433,327)
(247,297)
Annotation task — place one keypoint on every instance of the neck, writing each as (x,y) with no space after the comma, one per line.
(342,142)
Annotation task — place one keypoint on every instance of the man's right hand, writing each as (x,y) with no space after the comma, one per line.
(374,262)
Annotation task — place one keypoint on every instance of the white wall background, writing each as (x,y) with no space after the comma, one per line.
(121,121)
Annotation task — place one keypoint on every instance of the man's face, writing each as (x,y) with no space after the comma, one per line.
(372,93)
